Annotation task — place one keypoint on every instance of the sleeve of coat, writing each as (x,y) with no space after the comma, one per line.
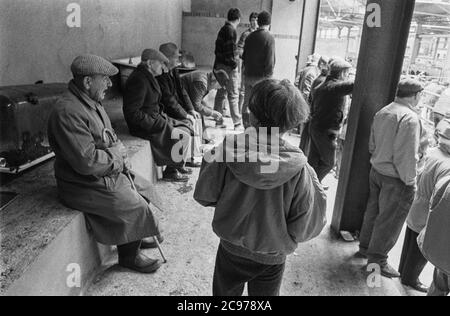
(198,94)
(270,57)
(77,145)
(406,150)
(210,183)
(307,217)
(133,101)
(372,141)
(172,107)
(345,87)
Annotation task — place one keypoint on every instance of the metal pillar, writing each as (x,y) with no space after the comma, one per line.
(379,68)
(308,31)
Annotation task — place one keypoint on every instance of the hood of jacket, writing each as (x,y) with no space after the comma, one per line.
(262,161)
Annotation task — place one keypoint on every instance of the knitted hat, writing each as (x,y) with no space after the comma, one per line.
(89,65)
(152,54)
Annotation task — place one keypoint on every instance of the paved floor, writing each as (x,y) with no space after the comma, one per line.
(324,266)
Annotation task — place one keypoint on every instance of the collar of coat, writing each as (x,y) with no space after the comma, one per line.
(150,77)
(82,96)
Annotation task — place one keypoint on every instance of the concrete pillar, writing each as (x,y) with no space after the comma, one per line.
(417,43)
(308,31)
(379,69)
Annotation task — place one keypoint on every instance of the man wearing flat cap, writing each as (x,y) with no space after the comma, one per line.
(147,117)
(92,167)
(395,144)
(327,117)
(177,103)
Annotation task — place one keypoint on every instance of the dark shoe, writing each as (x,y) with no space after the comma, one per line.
(140,263)
(174,176)
(185,171)
(130,257)
(150,243)
(418,286)
(389,272)
(193,164)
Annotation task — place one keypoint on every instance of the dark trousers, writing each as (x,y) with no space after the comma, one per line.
(412,262)
(322,152)
(441,284)
(232,273)
(387,209)
(305,142)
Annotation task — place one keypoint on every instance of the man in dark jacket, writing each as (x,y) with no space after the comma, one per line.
(176,101)
(146,117)
(259,59)
(227,59)
(328,117)
(91,167)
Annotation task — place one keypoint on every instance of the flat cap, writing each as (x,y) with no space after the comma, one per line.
(443,129)
(170,50)
(89,65)
(153,54)
(410,86)
(339,64)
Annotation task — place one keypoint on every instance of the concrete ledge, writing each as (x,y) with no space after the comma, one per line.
(40,238)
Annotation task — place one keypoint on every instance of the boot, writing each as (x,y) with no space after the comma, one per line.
(130,257)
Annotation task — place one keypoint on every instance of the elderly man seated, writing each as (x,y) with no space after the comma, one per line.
(146,116)
(92,168)
(175,99)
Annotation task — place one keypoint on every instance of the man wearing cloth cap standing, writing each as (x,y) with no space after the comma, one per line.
(90,168)
(147,118)
(394,145)
(327,117)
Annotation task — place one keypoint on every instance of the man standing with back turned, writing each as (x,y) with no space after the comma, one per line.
(394,145)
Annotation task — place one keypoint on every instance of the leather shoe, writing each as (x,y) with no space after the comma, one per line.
(174,176)
(418,286)
(389,272)
(140,263)
(150,243)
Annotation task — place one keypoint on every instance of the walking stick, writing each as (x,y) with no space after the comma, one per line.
(108,134)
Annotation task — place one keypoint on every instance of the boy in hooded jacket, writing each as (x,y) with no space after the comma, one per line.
(267,198)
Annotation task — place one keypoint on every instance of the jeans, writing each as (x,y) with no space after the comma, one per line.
(232,273)
(387,209)
(231,91)
(322,151)
(412,261)
(441,284)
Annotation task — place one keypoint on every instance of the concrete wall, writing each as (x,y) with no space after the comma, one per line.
(221,7)
(36,44)
(286,23)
